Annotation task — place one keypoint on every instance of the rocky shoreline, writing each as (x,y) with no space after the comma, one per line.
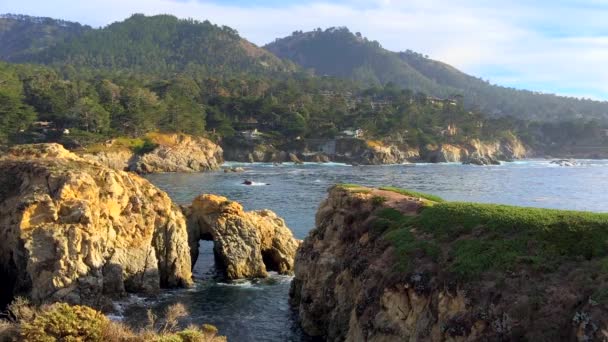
(393,265)
(75,230)
(366,152)
(167,153)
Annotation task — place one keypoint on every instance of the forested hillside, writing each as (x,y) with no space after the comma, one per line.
(339,52)
(161,73)
(22,36)
(160,44)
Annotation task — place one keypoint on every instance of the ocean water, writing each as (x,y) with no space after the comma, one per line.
(258,310)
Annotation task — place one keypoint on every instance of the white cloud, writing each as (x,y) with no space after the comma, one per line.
(556,46)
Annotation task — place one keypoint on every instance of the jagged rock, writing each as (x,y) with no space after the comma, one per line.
(294,159)
(74,230)
(120,159)
(173,153)
(246,244)
(564,162)
(476,159)
(476,152)
(362,275)
(237,169)
(179,153)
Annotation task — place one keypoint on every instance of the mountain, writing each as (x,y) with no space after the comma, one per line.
(152,44)
(22,35)
(341,53)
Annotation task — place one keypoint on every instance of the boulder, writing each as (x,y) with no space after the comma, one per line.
(236,169)
(564,162)
(179,153)
(77,231)
(119,159)
(246,244)
(170,153)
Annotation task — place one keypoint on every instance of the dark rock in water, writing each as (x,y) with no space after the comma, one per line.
(564,162)
(294,159)
(247,182)
(481,161)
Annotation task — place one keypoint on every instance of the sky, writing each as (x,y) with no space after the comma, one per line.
(552,46)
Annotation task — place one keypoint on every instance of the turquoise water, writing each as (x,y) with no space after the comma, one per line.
(259,310)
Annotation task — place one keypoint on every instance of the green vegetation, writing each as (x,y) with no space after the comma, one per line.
(355,188)
(64,322)
(482,238)
(23,35)
(341,53)
(160,73)
(413,193)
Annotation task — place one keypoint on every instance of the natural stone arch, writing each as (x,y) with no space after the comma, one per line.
(245,244)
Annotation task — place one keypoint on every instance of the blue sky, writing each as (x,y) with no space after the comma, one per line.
(558,46)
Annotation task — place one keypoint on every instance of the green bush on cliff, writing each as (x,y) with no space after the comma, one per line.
(63,322)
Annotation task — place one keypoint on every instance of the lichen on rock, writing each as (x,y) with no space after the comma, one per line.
(167,153)
(74,230)
(246,244)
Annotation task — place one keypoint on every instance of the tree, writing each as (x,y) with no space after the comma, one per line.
(14,116)
(141,113)
(183,115)
(90,116)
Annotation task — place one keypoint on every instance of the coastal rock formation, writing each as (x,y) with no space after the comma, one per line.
(246,244)
(74,230)
(118,159)
(476,152)
(400,266)
(167,153)
(179,153)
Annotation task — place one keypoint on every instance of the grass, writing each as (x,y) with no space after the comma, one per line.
(413,193)
(480,238)
(354,188)
(508,235)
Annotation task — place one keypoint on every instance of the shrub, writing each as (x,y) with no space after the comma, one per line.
(65,323)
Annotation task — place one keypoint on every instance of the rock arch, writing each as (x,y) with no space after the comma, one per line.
(245,244)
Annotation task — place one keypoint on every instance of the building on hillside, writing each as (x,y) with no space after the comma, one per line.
(358,133)
(440,101)
(252,134)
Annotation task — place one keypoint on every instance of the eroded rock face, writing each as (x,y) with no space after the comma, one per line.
(119,160)
(476,152)
(179,153)
(346,287)
(173,153)
(77,231)
(246,244)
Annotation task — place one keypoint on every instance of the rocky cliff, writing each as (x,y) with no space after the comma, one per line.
(74,230)
(393,265)
(166,153)
(376,152)
(476,151)
(246,244)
